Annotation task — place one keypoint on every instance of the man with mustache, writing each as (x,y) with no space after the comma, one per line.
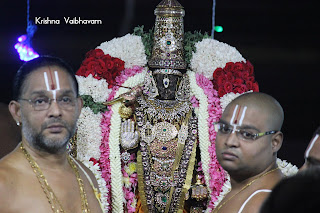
(248,138)
(39,175)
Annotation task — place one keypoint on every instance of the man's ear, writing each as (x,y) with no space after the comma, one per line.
(277,139)
(80,104)
(15,110)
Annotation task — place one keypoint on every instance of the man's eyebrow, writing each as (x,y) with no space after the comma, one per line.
(66,92)
(39,92)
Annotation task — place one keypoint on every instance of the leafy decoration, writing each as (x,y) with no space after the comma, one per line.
(147,39)
(94,106)
(189,43)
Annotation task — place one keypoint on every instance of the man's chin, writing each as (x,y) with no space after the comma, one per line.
(53,144)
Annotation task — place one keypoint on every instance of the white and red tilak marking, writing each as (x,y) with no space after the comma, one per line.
(235,121)
(53,87)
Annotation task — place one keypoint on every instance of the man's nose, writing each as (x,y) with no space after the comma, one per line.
(232,140)
(54,108)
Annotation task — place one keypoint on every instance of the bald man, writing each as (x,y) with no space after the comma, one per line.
(247,142)
(312,154)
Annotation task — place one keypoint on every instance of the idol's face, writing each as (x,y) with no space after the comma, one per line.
(312,154)
(48,127)
(237,153)
(166,85)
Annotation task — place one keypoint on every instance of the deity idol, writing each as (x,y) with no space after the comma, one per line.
(152,148)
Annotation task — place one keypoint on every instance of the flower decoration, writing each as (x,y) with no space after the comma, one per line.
(97,89)
(235,77)
(128,48)
(218,73)
(101,66)
(211,54)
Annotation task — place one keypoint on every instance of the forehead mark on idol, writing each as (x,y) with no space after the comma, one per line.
(311,145)
(237,118)
(52,86)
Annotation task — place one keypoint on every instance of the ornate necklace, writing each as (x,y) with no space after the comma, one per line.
(164,110)
(243,188)
(52,198)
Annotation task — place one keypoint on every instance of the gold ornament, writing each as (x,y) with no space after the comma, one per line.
(216,210)
(52,198)
(167,50)
(125,112)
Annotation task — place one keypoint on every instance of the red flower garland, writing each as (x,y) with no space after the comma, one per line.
(101,66)
(235,77)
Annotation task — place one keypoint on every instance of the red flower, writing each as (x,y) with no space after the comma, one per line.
(249,67)
(230,77)
(221,80)
(96,53)
(249,85)
(229,67)
(228,87)
(221,92)
(245,75)
(255,87)
(238,66)
(109,64)
(240,89)
(219,71)
(118,63)
(94,161)
(238,81)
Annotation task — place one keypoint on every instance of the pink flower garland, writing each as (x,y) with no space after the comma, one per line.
(105,130)
(217,174)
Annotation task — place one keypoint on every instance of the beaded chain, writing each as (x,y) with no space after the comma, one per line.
(52,198)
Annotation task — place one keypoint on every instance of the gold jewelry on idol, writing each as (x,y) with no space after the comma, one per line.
(149,86)
(52,198)
(183,91)
(216,210)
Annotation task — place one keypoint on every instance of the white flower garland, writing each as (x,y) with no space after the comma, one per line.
(212,54)
(115,160)
(98,89)
(203,129)
(88,134)
(227,98)
(128,48)
(286,168)
(88,143)
(101,182)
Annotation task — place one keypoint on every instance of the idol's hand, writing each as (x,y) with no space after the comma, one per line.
(129,137)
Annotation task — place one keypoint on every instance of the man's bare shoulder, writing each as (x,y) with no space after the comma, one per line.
(89,172)
(254,204)
(10,176)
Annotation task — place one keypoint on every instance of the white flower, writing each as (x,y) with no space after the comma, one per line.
(227,98)
(287,168)
(128,48)
(211,54)
(88,134)
(226,188)
(101,182)
(98,89)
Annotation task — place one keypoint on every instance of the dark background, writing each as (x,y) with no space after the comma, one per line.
(280,38)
